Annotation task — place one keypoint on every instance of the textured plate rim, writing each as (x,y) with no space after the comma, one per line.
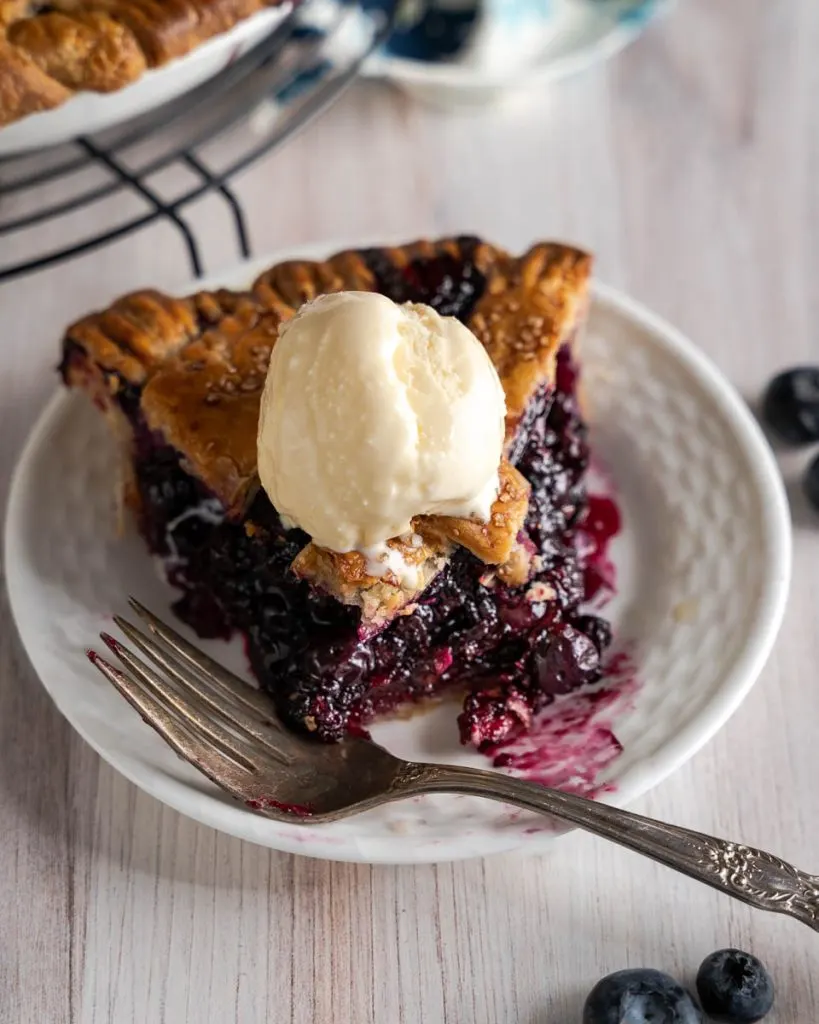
(776,522)
(644,775)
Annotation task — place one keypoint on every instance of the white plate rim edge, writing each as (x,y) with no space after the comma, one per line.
(642,776)
(776,516)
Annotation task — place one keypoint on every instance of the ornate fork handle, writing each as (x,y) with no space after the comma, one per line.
(747,874)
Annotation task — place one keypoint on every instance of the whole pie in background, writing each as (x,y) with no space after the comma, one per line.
(49,52)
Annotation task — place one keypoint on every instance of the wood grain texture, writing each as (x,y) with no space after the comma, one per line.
(691,167)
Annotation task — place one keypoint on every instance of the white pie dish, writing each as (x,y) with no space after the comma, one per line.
(701,595)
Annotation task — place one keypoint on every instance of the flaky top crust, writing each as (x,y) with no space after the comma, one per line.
(49,52)
(201,364)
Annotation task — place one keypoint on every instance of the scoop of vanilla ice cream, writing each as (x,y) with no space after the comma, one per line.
(373,413)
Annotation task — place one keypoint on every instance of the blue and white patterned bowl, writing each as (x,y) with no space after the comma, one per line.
(480,50)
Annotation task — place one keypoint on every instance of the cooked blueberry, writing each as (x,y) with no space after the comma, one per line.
(640,997)
(791,405)
(811,483)
(565,660)
(734,987)
(596,629)
(452,286)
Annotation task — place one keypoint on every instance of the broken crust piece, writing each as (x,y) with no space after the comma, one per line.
(492,541)
(348,578)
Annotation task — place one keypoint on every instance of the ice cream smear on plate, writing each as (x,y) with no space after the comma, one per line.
(374,413)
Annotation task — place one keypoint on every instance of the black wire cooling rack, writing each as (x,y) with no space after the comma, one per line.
(260,101)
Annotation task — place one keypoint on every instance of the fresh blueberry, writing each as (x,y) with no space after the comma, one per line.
(791,405)
(640,997)
(734,987)
(811,483)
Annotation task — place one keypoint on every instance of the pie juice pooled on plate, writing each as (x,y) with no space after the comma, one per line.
(461,571)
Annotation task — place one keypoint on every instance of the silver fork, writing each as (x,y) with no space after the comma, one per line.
(229,731)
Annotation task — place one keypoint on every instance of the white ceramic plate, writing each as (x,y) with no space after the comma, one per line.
(704,563)
(90,112)
(581,33)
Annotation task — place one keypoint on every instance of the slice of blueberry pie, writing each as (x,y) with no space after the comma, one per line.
(467,588)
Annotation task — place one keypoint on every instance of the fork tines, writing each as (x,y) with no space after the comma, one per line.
(207,714)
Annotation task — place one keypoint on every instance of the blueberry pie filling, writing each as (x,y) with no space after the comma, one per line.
(180,380)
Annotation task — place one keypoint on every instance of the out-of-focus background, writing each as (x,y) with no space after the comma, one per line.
(689,164)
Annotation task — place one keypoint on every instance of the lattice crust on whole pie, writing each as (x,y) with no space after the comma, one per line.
(50,51)
(200,365)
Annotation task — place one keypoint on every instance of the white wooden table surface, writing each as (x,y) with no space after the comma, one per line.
(690,165)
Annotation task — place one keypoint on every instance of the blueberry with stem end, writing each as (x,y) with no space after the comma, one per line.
(640,997)
(791,405)
(734,987)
